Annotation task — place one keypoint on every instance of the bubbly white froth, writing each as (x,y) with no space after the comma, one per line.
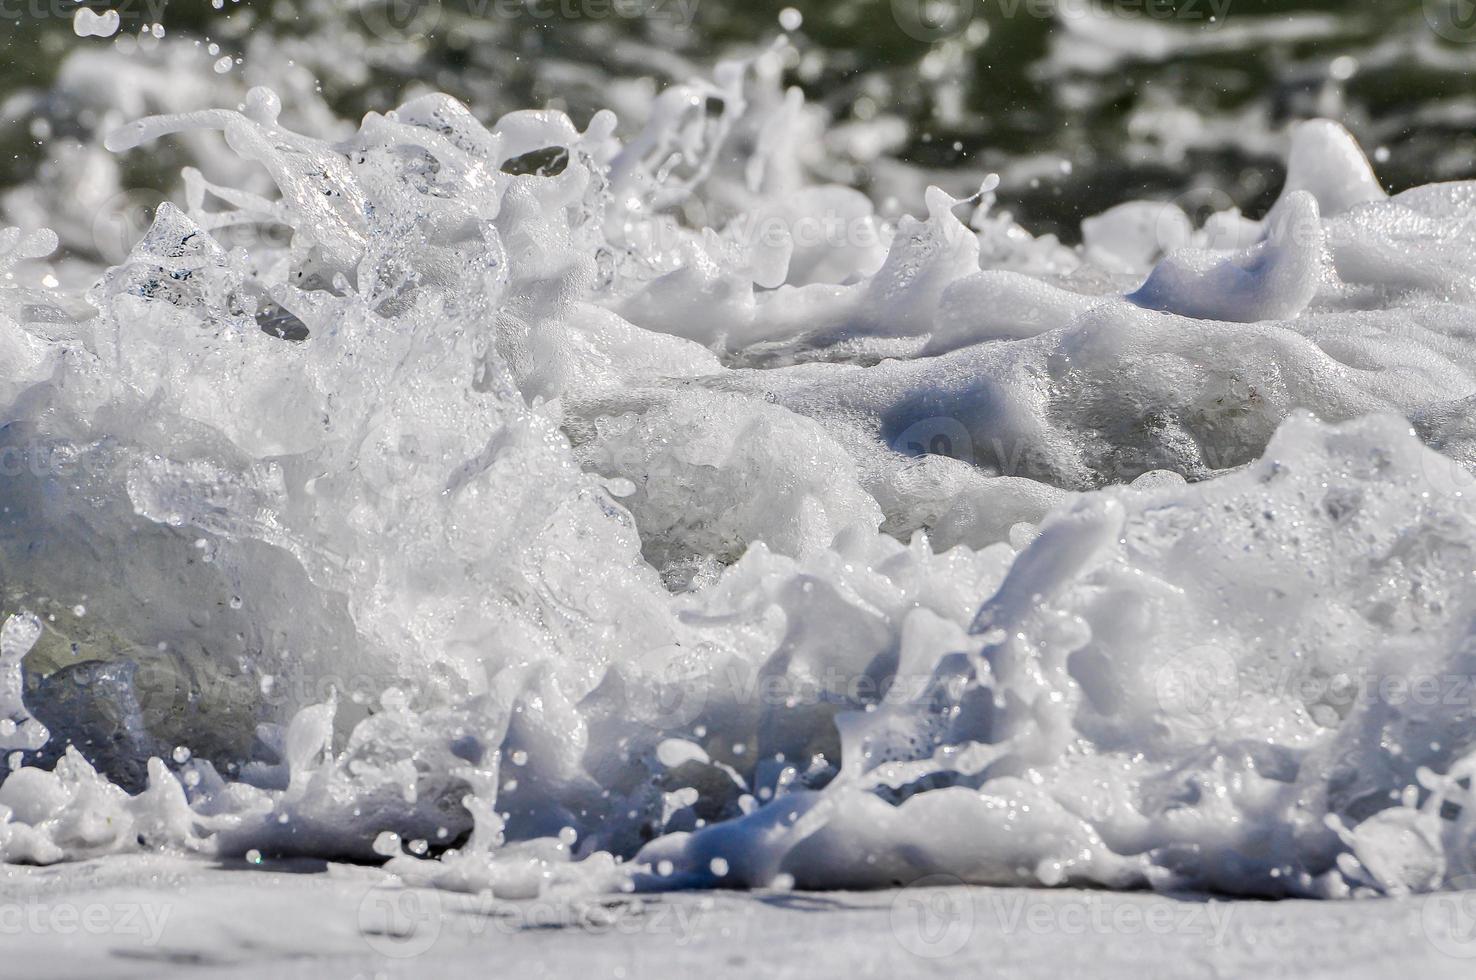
(562,496)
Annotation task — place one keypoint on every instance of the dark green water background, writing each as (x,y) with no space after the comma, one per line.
(1407,90)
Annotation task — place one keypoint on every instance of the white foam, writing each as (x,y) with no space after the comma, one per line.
(480,505)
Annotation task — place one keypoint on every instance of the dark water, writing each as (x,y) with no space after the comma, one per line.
(1153,99)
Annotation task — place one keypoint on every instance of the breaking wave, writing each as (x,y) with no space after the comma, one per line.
(539,507)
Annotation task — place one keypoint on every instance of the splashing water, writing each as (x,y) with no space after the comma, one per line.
(452,495)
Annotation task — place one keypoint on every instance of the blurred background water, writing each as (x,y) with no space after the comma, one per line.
(1077,104)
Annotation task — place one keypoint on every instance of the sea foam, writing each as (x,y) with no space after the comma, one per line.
(449,494)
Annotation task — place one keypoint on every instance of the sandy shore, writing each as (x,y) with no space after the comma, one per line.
(157,916)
